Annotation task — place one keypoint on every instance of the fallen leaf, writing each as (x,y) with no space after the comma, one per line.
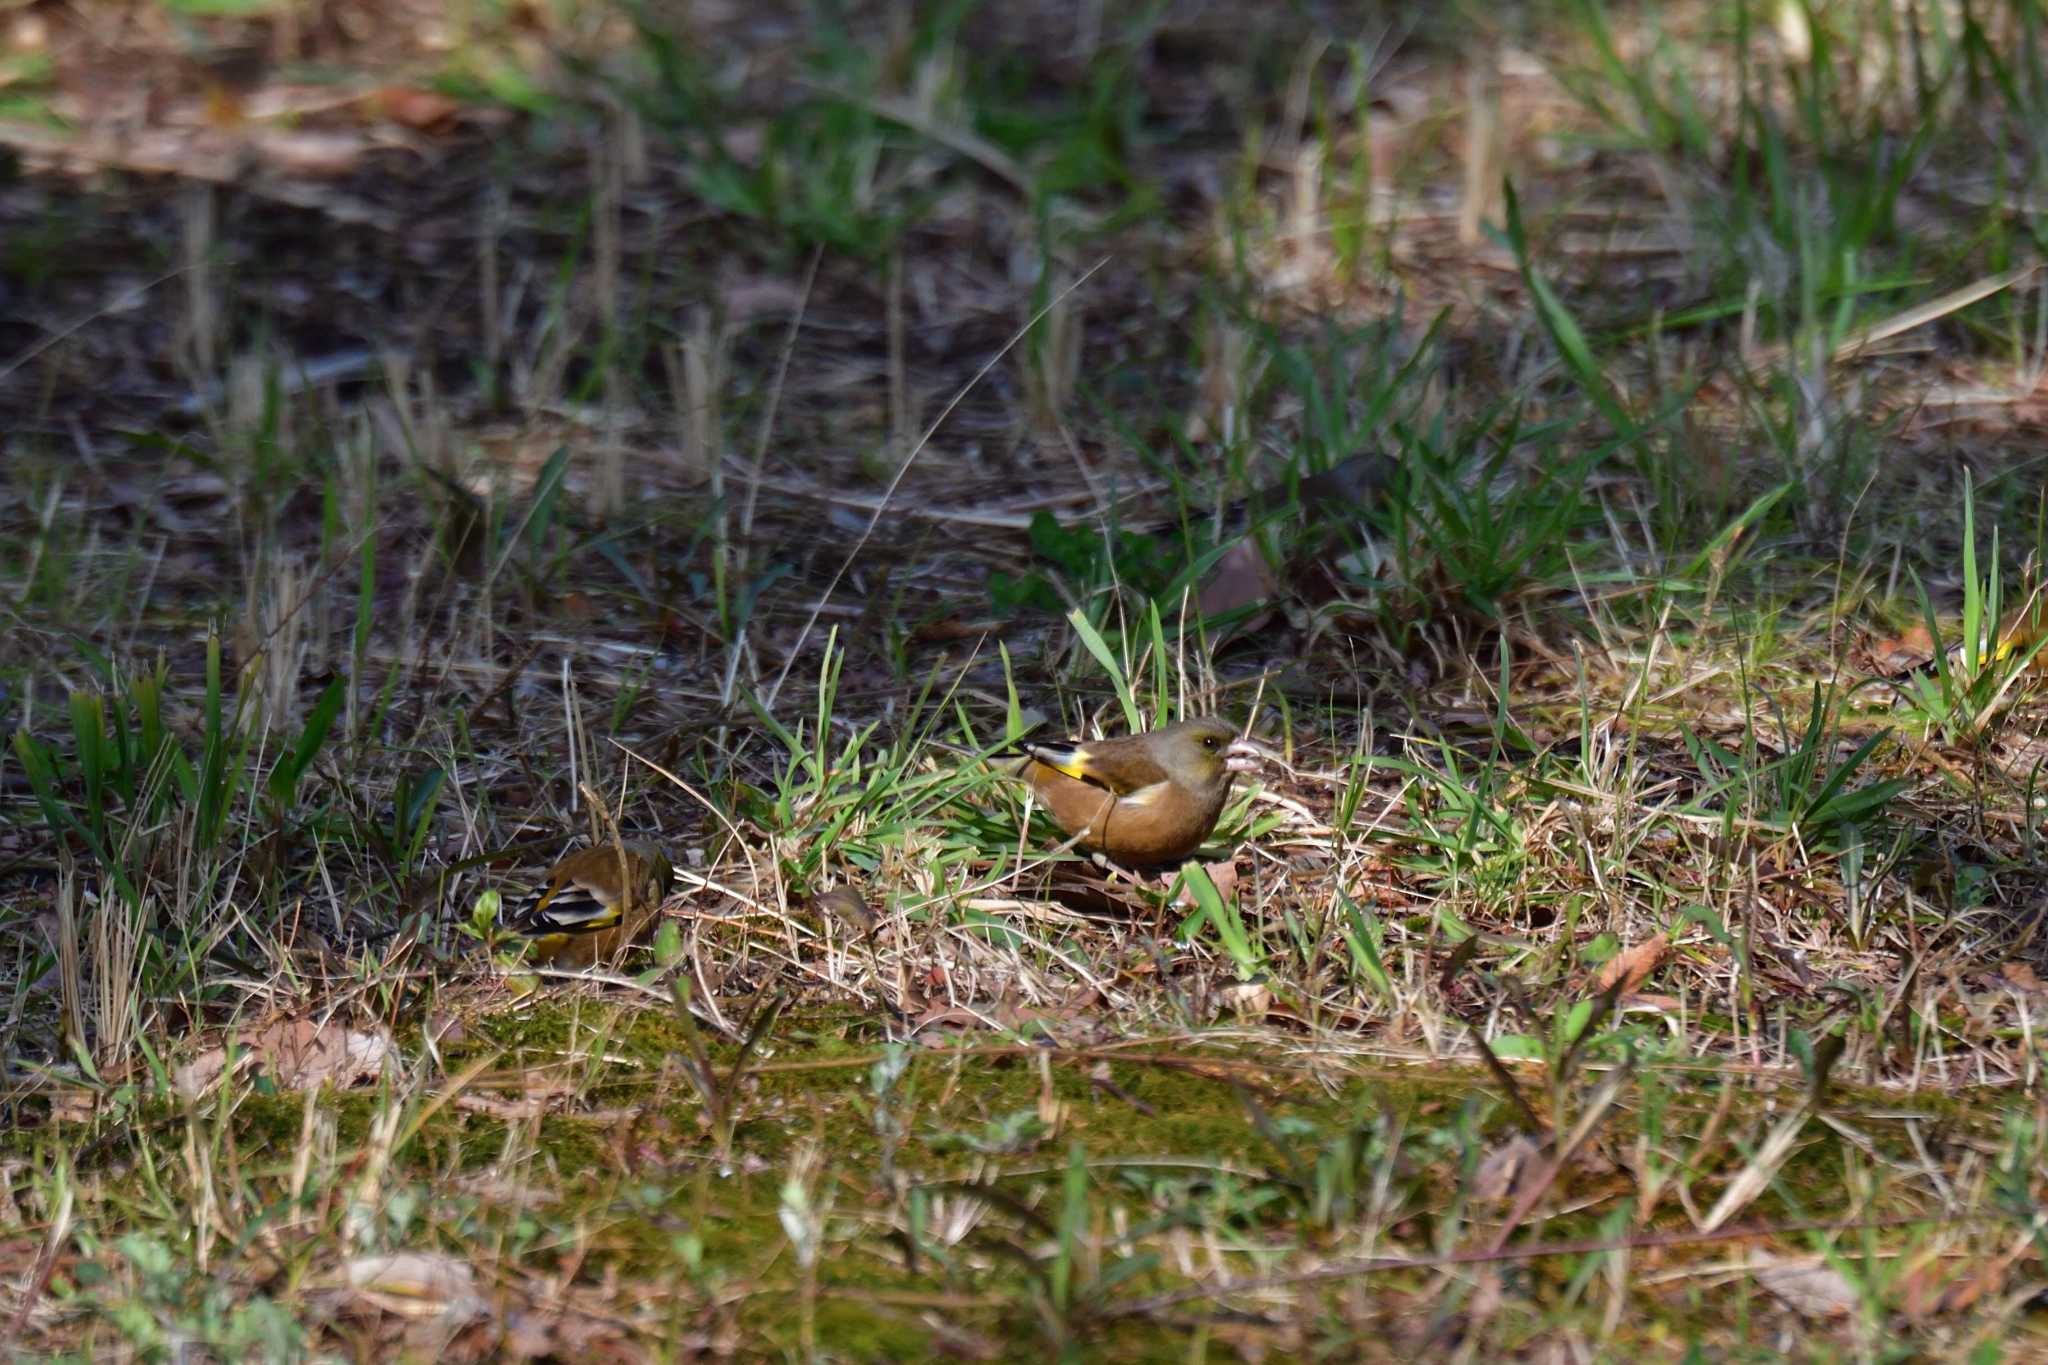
(943,1016)
(1248,999)
(1241,579)
(1500,1170)
(300,1053)
(1966,1289)
(446,1029)
(416,1284)
(1919,1289)
(423,111)
(1632,966)
(2022,977)
(297,1054)
(197,1076)
(74,1105)
(1019,1017)
(1911,648)
(1222,875)
(1809,1287)
(528,1337)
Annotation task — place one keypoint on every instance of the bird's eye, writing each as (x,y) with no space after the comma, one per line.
(1208,741)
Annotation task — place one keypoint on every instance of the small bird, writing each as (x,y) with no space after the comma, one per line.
(595,902)
(1142,800)
(849,908)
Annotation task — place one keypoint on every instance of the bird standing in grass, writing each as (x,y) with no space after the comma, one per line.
(595,903)
(1142,800)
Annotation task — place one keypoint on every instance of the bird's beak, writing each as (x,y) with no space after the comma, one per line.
(1246,756)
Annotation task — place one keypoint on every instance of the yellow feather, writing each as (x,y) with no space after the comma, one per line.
(1074,762)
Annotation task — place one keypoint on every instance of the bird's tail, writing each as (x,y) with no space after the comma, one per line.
(570,910)
(1071,759)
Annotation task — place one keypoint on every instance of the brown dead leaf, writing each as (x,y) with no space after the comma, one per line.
(2022,977)
(1808,1286)
(1966,1290)
(1632,966)
(1920,1287)
(1927,1291)
(446,1029)
(423,111)
(527,1337)
(1241,578)
(1911,648)
(416,1284)
(947,1016)
(1248,1000)
(1500,1170)
(301,1053)
(1222,874)
(311,152)
(297,1054)
(74,1105)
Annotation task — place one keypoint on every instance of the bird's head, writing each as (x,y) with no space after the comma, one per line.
(1200,754)
(654,865)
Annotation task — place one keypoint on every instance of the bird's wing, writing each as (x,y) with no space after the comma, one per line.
(569,906)
(1145,795)
(1129,771)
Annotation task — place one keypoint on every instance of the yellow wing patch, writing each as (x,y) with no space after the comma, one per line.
(564,910)
(1073,762)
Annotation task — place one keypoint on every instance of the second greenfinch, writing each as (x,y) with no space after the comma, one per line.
(1141,800)
(594,903)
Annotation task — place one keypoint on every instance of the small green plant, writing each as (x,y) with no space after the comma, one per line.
(1790,194)
(1212,909)
(127,774)
(1463,827)
(1077,564)
(1977,673)
(481,926)
(1472,532)
(161,1304)
(836,168)
(845,796)
(1806,790)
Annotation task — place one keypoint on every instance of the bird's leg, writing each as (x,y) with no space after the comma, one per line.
(1114,871)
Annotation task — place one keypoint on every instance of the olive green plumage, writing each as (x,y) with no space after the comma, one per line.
(1143,799)
(594,903)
